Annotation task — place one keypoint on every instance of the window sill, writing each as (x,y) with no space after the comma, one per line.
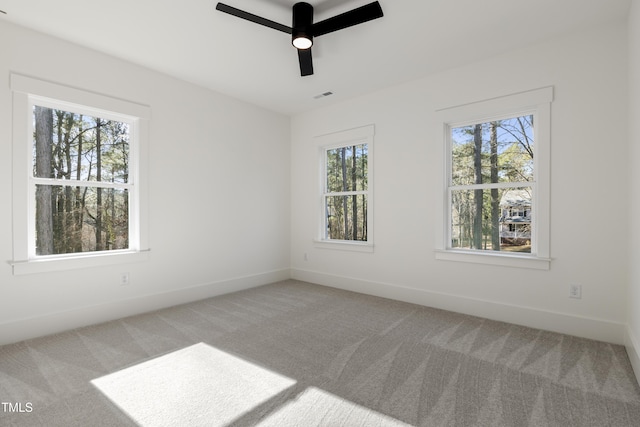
(500,259)
(344,245)
(47,265)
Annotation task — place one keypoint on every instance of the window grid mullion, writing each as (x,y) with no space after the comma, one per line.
(346,193)
(75,183)
(489,186)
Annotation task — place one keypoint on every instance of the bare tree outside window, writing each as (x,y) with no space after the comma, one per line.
(346,193)
(492,184)
(81,174)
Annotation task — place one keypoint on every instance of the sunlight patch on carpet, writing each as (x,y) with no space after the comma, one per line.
(195,386)
(315,407)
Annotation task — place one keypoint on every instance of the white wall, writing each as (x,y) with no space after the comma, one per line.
(588,181)
(633,341)
(233,206)
(218,191)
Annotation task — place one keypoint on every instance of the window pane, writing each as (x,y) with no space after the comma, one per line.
(494,219)
(346,217)
(68,145)
(72,219)
(347,168)
(498,151)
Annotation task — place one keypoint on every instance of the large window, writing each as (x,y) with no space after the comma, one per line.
(346,188)
(80,183)
(496,193)
(492,185)
(77,177)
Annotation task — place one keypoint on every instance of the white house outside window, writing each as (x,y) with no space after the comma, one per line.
(492,184)
(496,193)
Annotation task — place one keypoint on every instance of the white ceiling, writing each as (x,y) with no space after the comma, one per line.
(192,41)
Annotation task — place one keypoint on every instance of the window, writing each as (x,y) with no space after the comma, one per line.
(496,196)
(491,184)
(346,188)
(80,182)
(78,177)
(345,195)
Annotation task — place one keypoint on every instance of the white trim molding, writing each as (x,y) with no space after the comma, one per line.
(502,259)
(632,346)
(54,322)
(536,102)
(358,136)
(581,326)
(29,91)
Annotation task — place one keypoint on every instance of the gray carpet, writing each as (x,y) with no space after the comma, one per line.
(347,359)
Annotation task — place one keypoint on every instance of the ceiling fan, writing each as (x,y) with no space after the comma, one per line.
(303,29)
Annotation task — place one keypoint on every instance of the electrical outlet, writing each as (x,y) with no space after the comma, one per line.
(124,279)
(575,291)
(306,257)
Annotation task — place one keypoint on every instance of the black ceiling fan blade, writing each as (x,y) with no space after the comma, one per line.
(253,18)
(353,17)
(306,62)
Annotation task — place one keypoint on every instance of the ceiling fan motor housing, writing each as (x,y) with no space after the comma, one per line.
(301,36)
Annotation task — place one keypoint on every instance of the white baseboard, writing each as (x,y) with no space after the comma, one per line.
(586,327)
(597,329)
(50,323)
(633,350)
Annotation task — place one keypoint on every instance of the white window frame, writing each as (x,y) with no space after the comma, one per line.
(28,92)
(536,102)
(357,136)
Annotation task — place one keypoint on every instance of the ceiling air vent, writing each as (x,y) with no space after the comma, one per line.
(322,95)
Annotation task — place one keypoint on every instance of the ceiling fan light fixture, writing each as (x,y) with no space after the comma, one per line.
(302,41)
